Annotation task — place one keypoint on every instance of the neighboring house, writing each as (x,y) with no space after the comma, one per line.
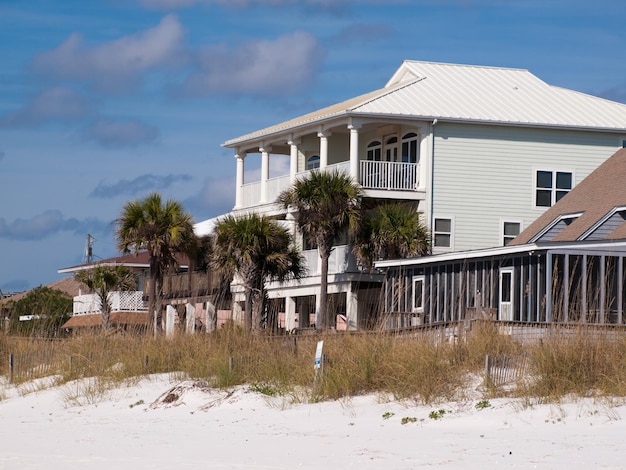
(67,285)
(568,266)
(188,297)
(483,151)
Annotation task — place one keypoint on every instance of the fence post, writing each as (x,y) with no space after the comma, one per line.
(487,368)
(11,368)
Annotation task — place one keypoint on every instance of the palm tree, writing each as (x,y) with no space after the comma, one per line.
(325,205)
(258,250)
(102,280)
(391,230)
(162,230)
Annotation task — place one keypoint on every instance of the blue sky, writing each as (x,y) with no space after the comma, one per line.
(103,101)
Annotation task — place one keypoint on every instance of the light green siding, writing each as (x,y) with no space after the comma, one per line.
(483,175)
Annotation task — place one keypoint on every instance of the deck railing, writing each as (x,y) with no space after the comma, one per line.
(373,175)
(395,176)
(130,301)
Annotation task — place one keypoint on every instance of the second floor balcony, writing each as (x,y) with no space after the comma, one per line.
(378,179)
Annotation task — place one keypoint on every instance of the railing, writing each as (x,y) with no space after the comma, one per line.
(131,301)
(374,175)
(389,175)
(340,261)
(196,284)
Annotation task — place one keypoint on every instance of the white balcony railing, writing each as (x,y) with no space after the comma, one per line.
(373,175)
(131,301)
(393,176)
(341,260)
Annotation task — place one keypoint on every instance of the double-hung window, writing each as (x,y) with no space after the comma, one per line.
(551,186)
(510,230)
(443,233)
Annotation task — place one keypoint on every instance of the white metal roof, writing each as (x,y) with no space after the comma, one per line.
(453,92)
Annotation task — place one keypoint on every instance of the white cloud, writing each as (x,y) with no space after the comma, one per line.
(261,66)
(53,104)
(127,133)
(114,65)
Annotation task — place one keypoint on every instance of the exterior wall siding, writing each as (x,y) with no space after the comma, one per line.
(487,174)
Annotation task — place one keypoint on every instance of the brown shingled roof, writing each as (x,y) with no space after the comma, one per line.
(67,285)
(600,192)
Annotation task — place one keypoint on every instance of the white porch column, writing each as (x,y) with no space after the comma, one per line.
(354,151)
(293,161)
(290,313)
(170,318)
(351,309)
(190,319)
(211,317)
(323,148)
(424,153)
(239,182)
(318,302)
(265,171)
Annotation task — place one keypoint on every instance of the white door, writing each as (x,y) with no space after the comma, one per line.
(505,312)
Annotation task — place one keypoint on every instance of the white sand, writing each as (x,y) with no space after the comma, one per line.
(133,428)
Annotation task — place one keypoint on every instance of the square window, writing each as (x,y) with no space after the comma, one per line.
(544,198)
(443,225)
(563,180)
(511,230)
(551,186)
(442,240)
(544,179)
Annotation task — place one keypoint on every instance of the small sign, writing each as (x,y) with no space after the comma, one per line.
(318,354)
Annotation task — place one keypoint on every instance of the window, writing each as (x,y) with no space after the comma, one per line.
(409,148)
(391,149)
(313,162)
(443,233)
(551,186)
(510,230)
(374,150)
(418,294)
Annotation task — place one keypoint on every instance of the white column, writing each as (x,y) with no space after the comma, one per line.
(323,148)
(190,319)
(424,153)
(318,302)
(239,182)
(290,313)
(265,171)
(351,309)
(211,317)
(293,161)
(170,319)
(354,152)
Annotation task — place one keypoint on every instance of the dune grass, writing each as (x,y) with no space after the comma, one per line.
(424,369)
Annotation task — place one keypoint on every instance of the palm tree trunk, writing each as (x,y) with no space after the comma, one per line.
(322,314)
(248,307)
(106,316)
(152,294)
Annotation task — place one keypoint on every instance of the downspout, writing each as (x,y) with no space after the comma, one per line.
(432,181)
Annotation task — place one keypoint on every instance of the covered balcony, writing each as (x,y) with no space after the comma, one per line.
(378,179)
